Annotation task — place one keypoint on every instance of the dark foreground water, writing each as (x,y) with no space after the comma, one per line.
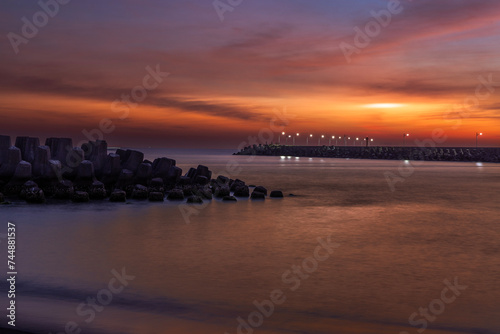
(197,270)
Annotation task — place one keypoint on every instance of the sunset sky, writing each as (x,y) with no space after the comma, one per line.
(233,78)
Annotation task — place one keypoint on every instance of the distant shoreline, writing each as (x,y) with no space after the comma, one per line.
(454,154)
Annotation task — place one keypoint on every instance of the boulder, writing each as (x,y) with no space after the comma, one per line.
(2,198)
(73,160)
(156,185)
(222,191)
(195,200)
(144,173)
(23,171)
(97,190)
(34,195)
(133,161)
(59,148)
(27,185)
(140,192)
(96,151)
(5,143)
(203,171)
(191,173)
(235,184)
(204,193)
(86,170)
(118,196)
(155,196)
(112,165)
(80,197)
(8,167)
(27,145)
(221,179)
(261,189)
(229,199)
(161,167)
(64,190)
(175,195)
(184,180)
(258,195)
(276,194)
(41,162)
(242,191)
(125,179)
(202,180)
(174,175)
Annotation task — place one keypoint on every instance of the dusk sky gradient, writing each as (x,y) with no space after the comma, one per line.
(228,78)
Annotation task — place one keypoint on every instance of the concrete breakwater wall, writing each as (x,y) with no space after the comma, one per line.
(57,170)
(378,152)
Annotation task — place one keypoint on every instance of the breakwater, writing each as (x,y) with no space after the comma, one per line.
(465,154)
(59,171)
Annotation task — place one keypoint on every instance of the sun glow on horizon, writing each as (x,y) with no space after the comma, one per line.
(384,105)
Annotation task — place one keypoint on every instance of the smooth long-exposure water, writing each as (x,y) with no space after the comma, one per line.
(199,274)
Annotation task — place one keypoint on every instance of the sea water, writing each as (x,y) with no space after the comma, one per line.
(403,232)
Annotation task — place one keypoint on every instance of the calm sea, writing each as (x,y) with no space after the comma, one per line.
(199,269)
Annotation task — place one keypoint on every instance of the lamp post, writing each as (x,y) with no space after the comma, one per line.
(477,135)
(330,141)
(404,138)
(319,140)
(289,136)
(294,138)
(307,139)
(279,137)
(356,142)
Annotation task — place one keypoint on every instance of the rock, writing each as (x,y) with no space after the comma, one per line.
(86,170)
(204,193)
(200,179)
(188,190)
(133,161)
(221,179)
(64,190)
(276,194)
(97,190)
(5,143)
(242,191)
(191,173)
(222,191)
(73,160)
(235,184)
(23,171)
(261,189)
(140,192)
(174,175)
(144,173)
(229,199)
(41,162)
(118,196)
(80,197)
(184,181)
(203,171)
(8,167)
(258,195)
(59,148)
(156,185)
(176,195)
(125,179)
(161,167)
(27,145)
(34,195)
(155,196)
(96,152)
(54,170)
(2,198)
(195,200)
(112,165)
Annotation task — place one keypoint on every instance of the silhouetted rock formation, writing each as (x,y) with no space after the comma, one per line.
(379,152)
(57,170)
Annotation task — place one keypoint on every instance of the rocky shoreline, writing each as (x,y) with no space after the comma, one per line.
(57,170)
(378,152)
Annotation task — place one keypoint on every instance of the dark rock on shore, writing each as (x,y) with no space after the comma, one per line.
(276,194)
(80,197)
(229,199)
(261,190)
(176,195)
(58,170)
(155,196)
(258,195)
(118,196)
